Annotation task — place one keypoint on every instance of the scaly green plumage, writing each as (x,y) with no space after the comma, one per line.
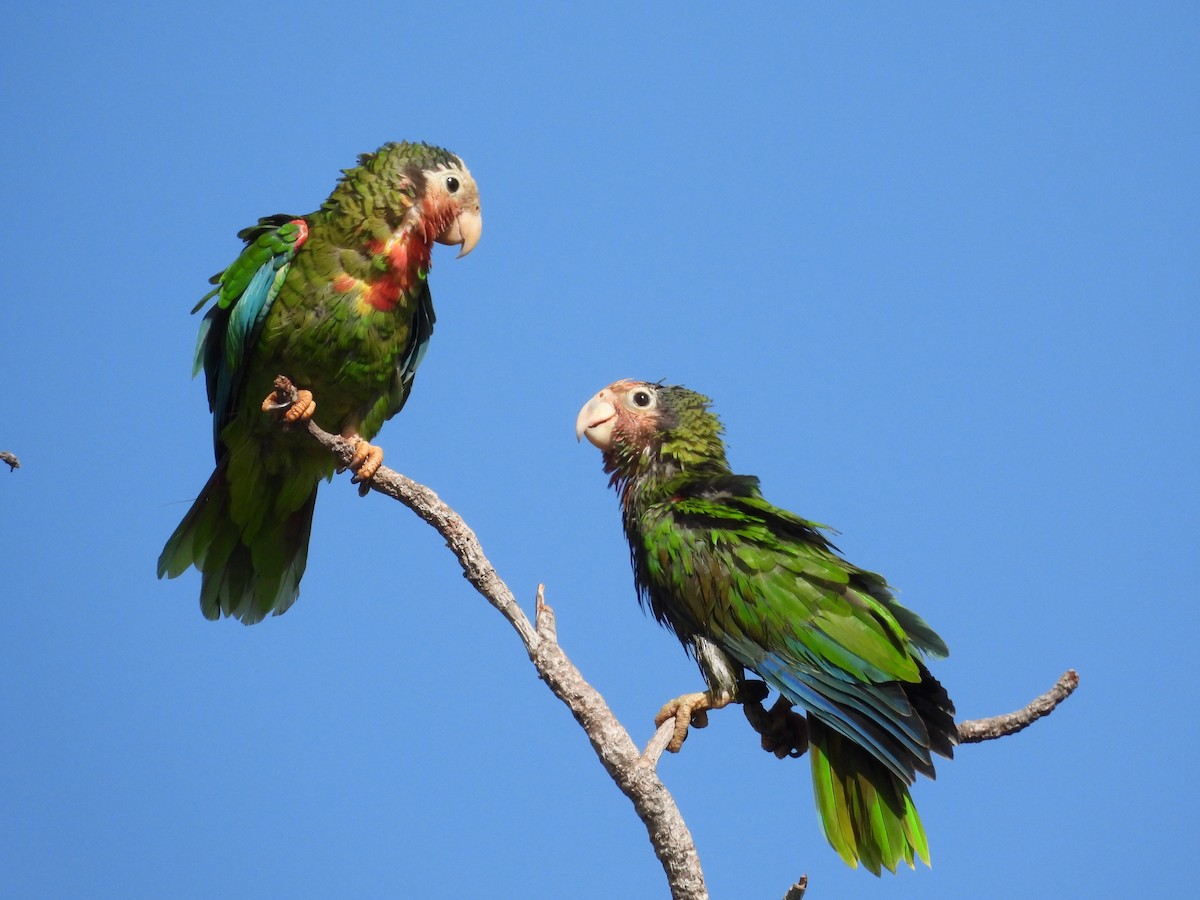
(337,300)
(746,585)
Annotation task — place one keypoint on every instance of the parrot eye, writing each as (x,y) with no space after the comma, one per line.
(642,399)
(452,184)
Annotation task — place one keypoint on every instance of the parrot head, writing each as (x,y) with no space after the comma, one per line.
(452,204)
(431,188)
(641,425)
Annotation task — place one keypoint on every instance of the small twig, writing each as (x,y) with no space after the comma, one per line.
(977,730)
(796,891)
(543,620)
(657,745)
(11,459)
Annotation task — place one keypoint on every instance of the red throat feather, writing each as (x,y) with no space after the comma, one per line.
(405,262)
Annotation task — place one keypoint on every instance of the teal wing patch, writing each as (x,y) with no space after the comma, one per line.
(244,293)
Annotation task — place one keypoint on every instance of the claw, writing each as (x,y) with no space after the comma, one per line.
(364,464)
(366,461)
(784,731)
(688,710)
(302,409)
(298,409)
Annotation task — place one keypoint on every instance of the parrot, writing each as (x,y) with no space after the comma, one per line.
(745,585)
(338,301)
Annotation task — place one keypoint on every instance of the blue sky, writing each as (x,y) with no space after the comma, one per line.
(937,265)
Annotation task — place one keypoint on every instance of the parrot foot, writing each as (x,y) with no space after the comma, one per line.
(689,710)
(298,408)
(364,464)
(784,731)
(302,410)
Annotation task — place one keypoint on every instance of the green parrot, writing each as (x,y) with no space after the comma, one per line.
(337,300)
(747,585)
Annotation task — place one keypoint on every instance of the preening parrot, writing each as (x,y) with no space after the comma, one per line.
(747,585)
(338,301)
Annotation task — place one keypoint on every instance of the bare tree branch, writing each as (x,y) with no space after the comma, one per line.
(658,742)
(978,730)
(633,772)
(11,459)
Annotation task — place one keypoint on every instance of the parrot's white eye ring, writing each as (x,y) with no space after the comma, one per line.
(452,184)
(642,398)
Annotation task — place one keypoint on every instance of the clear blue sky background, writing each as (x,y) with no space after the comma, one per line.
(937,264)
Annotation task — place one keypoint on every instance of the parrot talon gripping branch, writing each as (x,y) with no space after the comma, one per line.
(298,407)
(689,710)
(289,404)
(339,300)
(364,463)
(783,731)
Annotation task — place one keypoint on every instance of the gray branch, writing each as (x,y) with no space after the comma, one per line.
(633,772)
(978,730)
(10,459)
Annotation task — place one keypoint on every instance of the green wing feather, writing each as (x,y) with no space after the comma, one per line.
(865,810)
(770,590)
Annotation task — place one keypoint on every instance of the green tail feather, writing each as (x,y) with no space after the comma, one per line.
(865,809)
(247,573)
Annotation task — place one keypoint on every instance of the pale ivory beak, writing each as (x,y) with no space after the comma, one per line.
(596,420)
(465,229)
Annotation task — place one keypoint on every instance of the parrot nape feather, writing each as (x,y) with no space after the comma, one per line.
(749,586)
(338,300)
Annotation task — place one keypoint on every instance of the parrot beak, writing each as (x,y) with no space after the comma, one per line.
(465,229)
(597,419)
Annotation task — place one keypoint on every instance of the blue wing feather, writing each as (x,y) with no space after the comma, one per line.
(248,312)
(878,716)
(229,330)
